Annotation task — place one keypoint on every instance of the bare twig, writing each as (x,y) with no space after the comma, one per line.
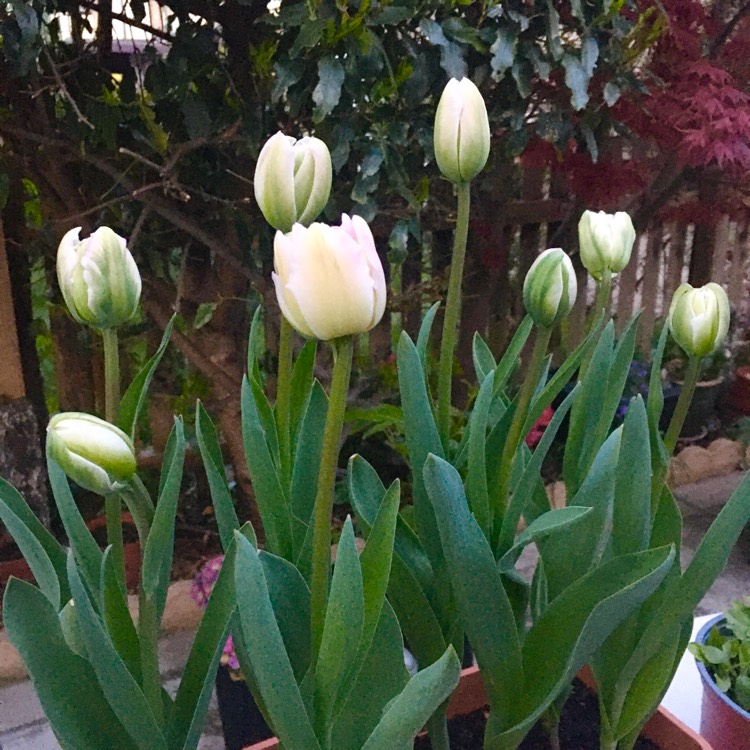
(158,33)
(64,91)
(134,195)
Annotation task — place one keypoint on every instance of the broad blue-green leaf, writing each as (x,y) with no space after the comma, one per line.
(483,605)
(409,711)
(342,631)
(577,80)
(422,438)
(119,687)
(423,339)
(477,490)
(569,632)
(269,494)
(17,505)
(553,31)
(381,677)
(685,593)
(300,386)
(33,552)
(451,54)
(185,721)
(134,399)
(84,546)
(254,344)
(631,522)
(484,362)
(273,672)
(503,51)
(34,629)
(213,462)
(509,360)
(290,599)
(328,91)
(157,556)
(117,618)
(568,557)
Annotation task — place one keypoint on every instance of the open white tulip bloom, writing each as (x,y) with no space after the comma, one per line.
(329,280)
(550,287)
(462,131)
(98,278)
(93,453)
(292,180)
(605,241)
(699,318)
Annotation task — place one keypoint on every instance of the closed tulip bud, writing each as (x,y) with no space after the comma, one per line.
(93,453)
(699,318)
(292,180)
(606,241)
(462,131)
(98,278)
(550,287)
(329,280)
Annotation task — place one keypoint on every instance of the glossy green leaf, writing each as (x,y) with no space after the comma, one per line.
(34,629)
(213,462)
(157,556)
(135,397)
(484,609)
(408,711)
(119,687)
(270,664)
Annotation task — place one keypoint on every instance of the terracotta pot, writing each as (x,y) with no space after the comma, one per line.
(725,724)
(739,393)
(663,729)
(20,568)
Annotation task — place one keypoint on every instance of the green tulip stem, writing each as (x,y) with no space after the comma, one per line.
(113,503)
(603,295)
(683,404)
(452,313)
(343,351)
(283,393)
(521,413)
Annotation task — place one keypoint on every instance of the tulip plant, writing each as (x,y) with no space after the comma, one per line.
(320,642)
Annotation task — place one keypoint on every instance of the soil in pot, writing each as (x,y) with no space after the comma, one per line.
(579,728)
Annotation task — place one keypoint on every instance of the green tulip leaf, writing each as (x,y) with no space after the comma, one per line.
(157,556)
(117,684)
(213,462)
(477,490)
(34,629)
(484,609)
(135,397)
(269,493)
(272,671)
(484,362)
(510,359)
(423,339)
(408,711)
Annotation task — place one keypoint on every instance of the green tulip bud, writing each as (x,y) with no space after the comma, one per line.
(329,280)
(292,180)
(98,278)
(93,453)
(462,131)
(550,288)
(699,318)
(605,241)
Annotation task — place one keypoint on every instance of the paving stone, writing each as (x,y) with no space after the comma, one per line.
(726,455)
(697,463)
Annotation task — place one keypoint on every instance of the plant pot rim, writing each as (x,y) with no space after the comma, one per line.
(469,696)
(708,681)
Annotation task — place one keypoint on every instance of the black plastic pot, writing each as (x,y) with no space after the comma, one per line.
(702,407)
(242,722)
